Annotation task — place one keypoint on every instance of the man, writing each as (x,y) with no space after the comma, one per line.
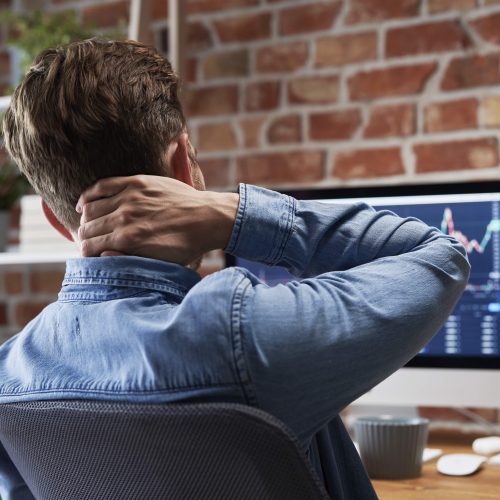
(138,324)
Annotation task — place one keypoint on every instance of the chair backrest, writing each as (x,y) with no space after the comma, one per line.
(107,450)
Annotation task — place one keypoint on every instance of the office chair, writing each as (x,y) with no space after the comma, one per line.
(106,451)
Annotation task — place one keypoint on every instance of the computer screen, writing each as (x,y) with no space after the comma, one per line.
(470,212)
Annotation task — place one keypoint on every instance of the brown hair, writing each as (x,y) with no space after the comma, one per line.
(89,110)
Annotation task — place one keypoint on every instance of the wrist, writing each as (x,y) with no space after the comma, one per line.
(222,209)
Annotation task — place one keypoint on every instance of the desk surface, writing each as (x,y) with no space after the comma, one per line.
(483,485)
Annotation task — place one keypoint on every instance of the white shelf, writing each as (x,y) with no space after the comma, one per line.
(12,258)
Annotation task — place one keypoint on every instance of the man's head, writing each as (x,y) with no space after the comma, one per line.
(89,110)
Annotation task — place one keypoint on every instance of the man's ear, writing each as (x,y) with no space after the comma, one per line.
(54,222)
(179,160)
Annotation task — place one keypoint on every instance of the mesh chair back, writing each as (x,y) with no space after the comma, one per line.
(100,450)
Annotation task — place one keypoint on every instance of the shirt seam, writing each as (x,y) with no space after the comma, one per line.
(291,206)
(81,297)
(238,223)
(132,283)
(237,341)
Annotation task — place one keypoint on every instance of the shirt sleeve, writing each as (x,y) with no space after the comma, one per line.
(375,288)
(12,485)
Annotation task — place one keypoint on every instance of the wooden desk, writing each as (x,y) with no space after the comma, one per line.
(483,485)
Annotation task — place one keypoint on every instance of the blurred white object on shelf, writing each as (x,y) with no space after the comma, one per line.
(36,234)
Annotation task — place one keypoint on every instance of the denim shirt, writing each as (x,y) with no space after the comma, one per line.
(371,290)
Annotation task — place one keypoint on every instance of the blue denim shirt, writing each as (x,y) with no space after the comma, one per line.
(371,290)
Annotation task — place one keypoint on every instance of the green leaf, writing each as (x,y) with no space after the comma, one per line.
(13,185)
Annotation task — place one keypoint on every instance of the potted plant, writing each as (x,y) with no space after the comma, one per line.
(32,31)
(13,185)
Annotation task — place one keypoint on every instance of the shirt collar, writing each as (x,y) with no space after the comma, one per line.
(128,271)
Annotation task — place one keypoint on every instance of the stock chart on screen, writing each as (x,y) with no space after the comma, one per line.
(472,330)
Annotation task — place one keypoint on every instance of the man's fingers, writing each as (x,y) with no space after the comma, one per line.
(93,247)
(103,188)
(97,227)
(98,208)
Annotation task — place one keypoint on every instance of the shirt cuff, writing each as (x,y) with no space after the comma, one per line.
(263,225)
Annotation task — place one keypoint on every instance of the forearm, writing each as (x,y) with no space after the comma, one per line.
(311,238)
(378,288)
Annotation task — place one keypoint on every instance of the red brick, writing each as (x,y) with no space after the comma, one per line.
(281,57)
(424,38)
(281,168)
(456,155)
(5,68)
(398,80)
(285,129)
(391,121)
(488,27)
(366,163)
(491,2)
(472,71)
(251,128)
(198,37)
(46,281)
(106,15)
(226,64)
(313,89)
(451,115)
(3,314)
(159,9)
(216,137)
(434,6)
(310,17)
(346,49)
(26,311)
(244,28)
(371,11)
(201,6)
(13,282)
(262,96)
(215,171)
(211,101)
(191,69)
(334,125)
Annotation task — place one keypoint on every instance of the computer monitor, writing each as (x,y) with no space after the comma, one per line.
(460,366)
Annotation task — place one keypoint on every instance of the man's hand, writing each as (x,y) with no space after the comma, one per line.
(156,217)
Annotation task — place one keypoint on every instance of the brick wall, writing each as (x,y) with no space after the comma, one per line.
(326,93)
(334,92)
(293,92)
(361,91)
(25,289)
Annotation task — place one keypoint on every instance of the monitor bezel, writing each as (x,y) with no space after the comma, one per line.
(367,192)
